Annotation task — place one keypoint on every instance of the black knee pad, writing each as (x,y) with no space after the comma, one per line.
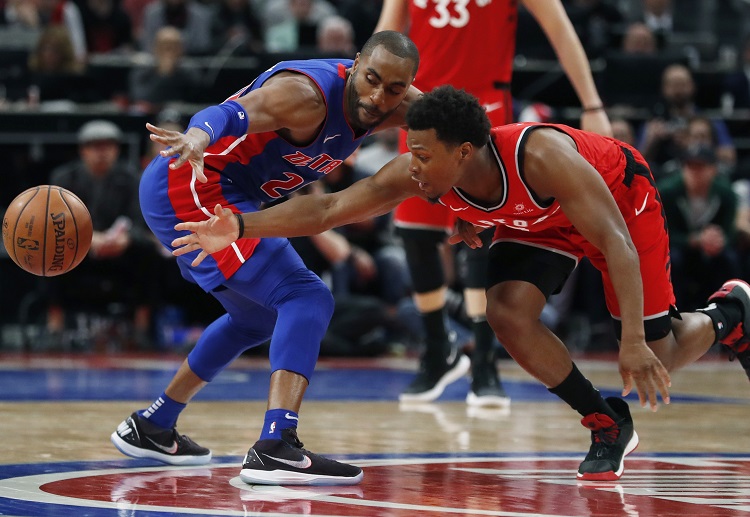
(423,256)
(477,261)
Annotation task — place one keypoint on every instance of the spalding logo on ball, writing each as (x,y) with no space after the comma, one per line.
(47,230)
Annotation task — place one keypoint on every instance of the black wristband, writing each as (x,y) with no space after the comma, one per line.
(241,224)
(595,108)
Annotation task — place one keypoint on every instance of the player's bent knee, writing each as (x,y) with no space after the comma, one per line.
(322,298)
(508,325)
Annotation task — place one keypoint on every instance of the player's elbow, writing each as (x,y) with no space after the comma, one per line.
(328,214)
(618,243)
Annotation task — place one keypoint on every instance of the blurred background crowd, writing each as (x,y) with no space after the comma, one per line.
(79,79)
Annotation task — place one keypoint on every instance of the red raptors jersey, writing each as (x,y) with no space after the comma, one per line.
(452,35)
(520,208)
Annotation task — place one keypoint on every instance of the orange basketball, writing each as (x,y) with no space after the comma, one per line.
(47,230)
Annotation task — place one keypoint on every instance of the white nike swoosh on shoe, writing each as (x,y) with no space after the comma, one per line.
(452,357)
(452,375)
(169,450)
(304,463)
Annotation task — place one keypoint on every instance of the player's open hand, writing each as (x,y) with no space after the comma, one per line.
(208,236)
(639,365)
(466,232)
(188,147)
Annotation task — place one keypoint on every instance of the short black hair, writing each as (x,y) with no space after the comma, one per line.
(456,116)
(394,42)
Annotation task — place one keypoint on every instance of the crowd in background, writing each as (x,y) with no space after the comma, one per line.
(675,76)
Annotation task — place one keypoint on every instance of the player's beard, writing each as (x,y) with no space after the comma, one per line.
(353,105)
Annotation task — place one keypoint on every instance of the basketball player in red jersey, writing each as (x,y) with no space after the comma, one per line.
(554,194)
(470,44)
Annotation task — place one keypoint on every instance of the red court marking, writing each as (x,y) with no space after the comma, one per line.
(665,487)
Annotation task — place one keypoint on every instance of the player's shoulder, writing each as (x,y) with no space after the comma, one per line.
(321,66)
(508,133)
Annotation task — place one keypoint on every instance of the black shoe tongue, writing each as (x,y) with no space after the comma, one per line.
(158,434)
(165,437)
(290,437)
(437,364)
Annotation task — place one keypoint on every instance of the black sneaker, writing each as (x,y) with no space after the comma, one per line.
(738,341)
(285,462)
(138,438)
(486,388)
(610,442)
(432,378)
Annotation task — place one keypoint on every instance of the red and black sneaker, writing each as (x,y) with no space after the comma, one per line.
(610,442)
(737,340)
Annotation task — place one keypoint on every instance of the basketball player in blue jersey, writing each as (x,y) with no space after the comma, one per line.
(295,123)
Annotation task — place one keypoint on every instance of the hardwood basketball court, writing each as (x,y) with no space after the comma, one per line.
(429,459)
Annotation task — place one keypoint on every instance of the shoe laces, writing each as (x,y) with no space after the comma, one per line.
(604,430)
(289,435)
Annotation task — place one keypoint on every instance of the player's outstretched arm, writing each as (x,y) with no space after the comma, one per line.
(551,16)
(287,100)
(394,16)
(303,215)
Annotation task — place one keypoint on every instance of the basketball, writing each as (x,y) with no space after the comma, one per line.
(47,230)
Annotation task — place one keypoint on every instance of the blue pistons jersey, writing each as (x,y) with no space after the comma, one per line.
(245,171)
(266,166)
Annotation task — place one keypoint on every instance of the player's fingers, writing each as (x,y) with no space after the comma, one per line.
(199,258)
(473,241)
(163,140)
(160,131)
(664,383)
(627,384)
(183,241)
(640,387)
(455,238)
(183,249)
(183,158)
(651,395)
(220,211)
(471,236)
(199,172)
(170,151)
(647,395)
(189,226)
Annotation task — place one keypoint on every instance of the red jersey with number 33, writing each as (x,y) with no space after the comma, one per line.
(455,34)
